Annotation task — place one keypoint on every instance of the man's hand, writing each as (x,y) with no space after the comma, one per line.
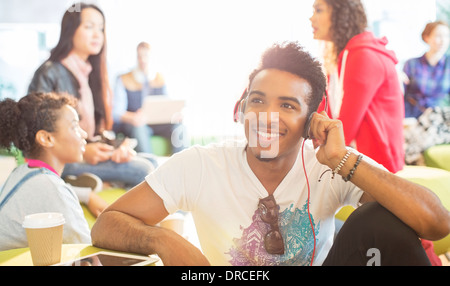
(328,135)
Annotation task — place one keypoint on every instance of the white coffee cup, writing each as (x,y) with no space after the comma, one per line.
(44,234)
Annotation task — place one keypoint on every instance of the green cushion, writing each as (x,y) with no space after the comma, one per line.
(438,157)
(160,146)
(109,195)
(438,181)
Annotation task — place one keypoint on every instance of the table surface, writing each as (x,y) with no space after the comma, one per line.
(22,256)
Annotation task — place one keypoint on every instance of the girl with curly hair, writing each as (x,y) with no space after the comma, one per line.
(363,86)
(45,127)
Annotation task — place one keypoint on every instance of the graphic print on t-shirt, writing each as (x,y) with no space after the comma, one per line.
(297,234)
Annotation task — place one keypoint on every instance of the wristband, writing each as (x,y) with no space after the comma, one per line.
(341,164)
(350,175)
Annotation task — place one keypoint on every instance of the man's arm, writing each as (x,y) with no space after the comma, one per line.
(415,205)
(129,225)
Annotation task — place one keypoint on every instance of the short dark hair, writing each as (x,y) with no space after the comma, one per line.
(20,121)
(291,57)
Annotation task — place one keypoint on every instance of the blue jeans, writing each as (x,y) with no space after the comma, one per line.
(130,174)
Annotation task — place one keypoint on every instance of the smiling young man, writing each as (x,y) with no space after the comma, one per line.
(272,199)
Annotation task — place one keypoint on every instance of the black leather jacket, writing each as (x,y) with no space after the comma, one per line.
(54,77)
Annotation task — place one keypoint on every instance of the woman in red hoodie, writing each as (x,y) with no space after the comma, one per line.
(364,90)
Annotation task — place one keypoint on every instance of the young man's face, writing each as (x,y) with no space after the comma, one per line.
(275,114)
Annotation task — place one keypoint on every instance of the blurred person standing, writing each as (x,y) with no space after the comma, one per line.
(364,90)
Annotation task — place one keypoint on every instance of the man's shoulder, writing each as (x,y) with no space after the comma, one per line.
(129,82)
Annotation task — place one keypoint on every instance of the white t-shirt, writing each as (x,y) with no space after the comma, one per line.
(216,184)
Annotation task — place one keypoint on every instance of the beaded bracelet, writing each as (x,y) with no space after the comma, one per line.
(341,164)
(350,175)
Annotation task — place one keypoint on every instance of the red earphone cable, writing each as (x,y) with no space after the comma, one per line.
(309,214)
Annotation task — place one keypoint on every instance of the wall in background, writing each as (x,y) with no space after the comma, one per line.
(205,48)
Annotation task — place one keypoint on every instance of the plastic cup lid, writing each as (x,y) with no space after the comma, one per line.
(43,220)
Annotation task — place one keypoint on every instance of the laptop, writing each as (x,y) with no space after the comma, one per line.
(160,109)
